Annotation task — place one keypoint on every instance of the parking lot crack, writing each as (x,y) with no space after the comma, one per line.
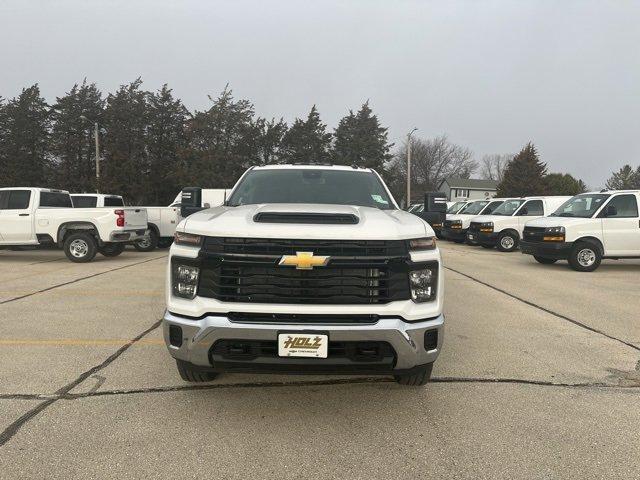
(8,433)
(20,297)
(546,310)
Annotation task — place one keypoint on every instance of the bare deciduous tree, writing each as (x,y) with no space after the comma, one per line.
(492,166)
(432,160)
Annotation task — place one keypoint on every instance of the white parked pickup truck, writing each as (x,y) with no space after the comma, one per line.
(163,220)
(37,216)
(305,269)
(503,228)
(94,200)
(586,229)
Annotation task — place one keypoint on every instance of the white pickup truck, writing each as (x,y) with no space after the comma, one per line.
(586,229)
(42,216)
(503,228)
(305,269)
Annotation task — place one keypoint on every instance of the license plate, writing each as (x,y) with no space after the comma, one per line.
(470,237)
(303,345)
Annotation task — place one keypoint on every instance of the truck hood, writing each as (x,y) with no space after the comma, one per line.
(465,219)
(372,223)
(497,220)
(559,222)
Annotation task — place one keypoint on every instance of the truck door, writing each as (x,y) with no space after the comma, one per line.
(16,217)
(621,225)
(530,210)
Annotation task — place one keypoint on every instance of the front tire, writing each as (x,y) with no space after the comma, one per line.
(418,378)
(544,260)
(80,247)
(148,243)
(585,257)
(507,242)
(190,374)
(111,249)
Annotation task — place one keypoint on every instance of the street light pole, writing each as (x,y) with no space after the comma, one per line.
(409,166)
(96,134)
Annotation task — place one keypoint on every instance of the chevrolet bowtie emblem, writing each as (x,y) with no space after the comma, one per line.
(304,260)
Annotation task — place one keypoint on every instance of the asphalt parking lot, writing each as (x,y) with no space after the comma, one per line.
(539,378)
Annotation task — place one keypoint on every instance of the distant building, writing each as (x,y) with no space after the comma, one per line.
(468,188)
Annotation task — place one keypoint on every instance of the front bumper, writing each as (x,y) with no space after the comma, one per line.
(484,238)
(127,235)
(459,234)
(406,338)
(555,250)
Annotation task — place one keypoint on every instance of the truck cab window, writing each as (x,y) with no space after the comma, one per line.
(113,202)
(18,199)
(626,206)
(55,200)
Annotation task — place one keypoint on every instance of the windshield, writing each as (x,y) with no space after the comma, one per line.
(488,210)
(326,186)
(508,207)
(473,208)
(455,208)
(415,207)
(583,206)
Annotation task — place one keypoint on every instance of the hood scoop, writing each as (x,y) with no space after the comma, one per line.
(307,218)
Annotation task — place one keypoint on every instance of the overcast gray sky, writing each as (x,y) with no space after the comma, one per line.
(492,75)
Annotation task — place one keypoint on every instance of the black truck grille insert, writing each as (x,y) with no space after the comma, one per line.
(358,272)
(533,234)
(307,218)
(474,227)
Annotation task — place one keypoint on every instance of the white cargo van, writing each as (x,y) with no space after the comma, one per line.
(586,229)
(503,228)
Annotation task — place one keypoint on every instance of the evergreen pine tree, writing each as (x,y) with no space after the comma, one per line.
(524,175)
(361,140)
(307,141)
(25,127)
(72,137)
(125,167)
(625,178)
(564,184)
(165,141)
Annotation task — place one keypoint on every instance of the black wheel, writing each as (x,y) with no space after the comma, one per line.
(544,260)
(417,378)
(165,242)
(111,249)
(190,374)
(507,242)
(486,245)
(585,257)
(148,243)
(80,247)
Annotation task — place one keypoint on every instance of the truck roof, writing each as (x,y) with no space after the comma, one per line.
(40,189)
(289,166)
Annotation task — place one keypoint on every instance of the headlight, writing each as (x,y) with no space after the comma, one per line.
(182,238)
(184,279)
(427,243)
(554,234)
(486,227)
(423,284)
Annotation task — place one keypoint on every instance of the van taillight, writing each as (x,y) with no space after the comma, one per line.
(120,219)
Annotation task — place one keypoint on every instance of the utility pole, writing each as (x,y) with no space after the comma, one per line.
(96,134)
(409,167)
(96,138)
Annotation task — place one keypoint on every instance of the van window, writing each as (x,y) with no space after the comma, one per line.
(55,200)
(626,206)
(533,208)
(488,210)
(473,208)
(18,200)
(508,207)
(113,202)
(84,201)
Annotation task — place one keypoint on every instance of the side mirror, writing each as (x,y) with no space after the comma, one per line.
(611,211)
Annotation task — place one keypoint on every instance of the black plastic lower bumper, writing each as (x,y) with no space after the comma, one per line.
(458,234)
(483,237)
(558,251)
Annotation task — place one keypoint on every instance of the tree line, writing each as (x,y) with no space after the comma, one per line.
(152,146)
